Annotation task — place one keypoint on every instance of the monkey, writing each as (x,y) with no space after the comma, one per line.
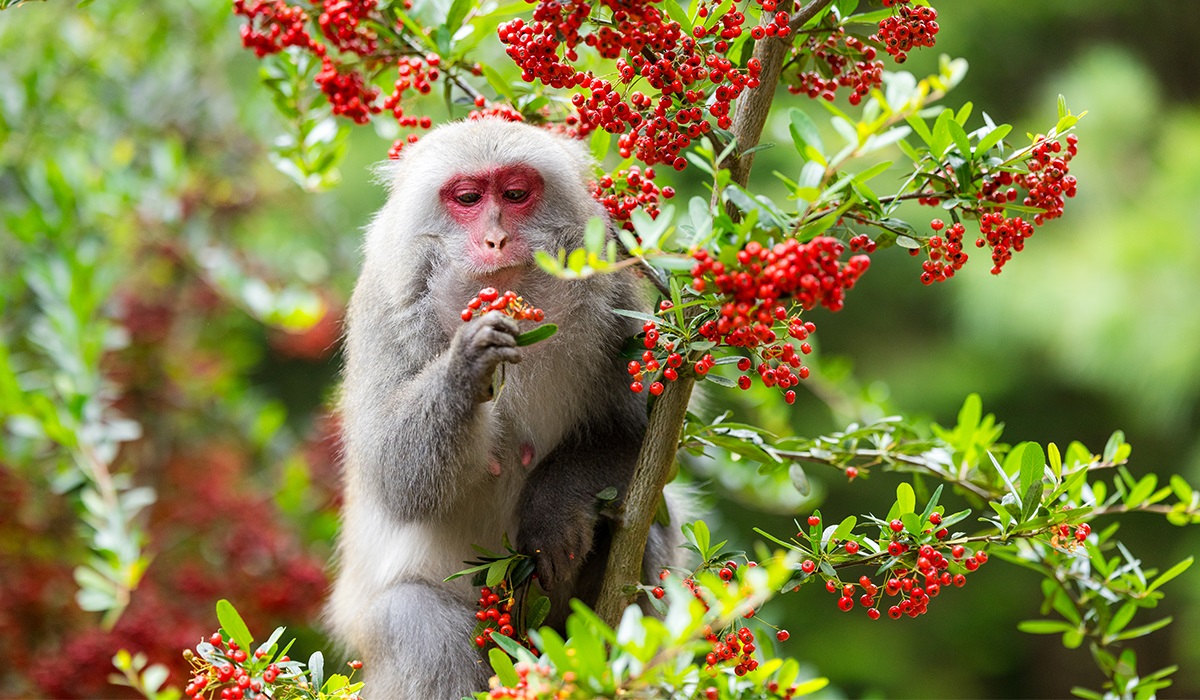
(433,462)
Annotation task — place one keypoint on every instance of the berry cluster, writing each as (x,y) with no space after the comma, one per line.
(348,92)
(489,299)
(273,26)
(917,571)
(862,242)
(341,22)
(494,615)
(347,27)
(625,190)
(1047,183)
(221,668)
(946,255)
(1048,179)
(660,355)
(1063,537)
(755,290)
(913,27)
(694,79)
(839,60)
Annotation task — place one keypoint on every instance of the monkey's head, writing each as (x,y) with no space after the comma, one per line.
(487,194)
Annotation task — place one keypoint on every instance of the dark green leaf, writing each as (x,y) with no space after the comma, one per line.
(540,333)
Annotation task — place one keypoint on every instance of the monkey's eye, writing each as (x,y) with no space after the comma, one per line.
(467,198)
(515,195)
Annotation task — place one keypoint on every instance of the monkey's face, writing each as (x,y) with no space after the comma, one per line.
(494,207)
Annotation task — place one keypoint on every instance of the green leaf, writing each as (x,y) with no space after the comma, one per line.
(1170,574)
(906,242)
(502,664)
(1183,491)
(608,494)
(1145,629)
(992,138)
(1033,465)
(1113,444)
(455,15)
(905,498)
(599,144)
(496,572)
(593,235)
(844,528)
(960,138)
(538,610)
(537,334)
(233,623)
(804,131)
(1044,626)
(1139,493)
(1120,620)
(1052,454)
(799,479)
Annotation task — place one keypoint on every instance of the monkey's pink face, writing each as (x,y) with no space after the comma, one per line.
(493,207)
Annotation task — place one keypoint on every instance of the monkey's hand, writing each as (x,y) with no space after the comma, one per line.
(558,539)
(479,346)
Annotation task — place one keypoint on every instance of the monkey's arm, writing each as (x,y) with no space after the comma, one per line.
(415,437)
(559,506)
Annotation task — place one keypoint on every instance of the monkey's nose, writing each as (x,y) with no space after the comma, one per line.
(495,240)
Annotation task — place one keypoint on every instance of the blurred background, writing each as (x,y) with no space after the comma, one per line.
(176,300)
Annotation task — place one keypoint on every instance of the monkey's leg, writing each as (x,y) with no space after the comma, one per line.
(420,647)
(559,508)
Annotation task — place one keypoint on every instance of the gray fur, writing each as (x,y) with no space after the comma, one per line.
(420,433)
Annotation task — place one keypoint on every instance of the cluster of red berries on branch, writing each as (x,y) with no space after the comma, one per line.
(919,571)
(910,28)
(946,254)
(1049,180)
(495,615)
(623,191)
(222,669)
(347,27)
(509,303)
(839,60)
(342,23)
(273,26)
(756,292)
(348,92)
(1063,537)
(1047,184)
(660,362)
(694,79)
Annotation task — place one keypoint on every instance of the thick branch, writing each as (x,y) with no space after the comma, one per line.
(641,503)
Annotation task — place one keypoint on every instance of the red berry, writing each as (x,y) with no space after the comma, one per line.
(658,592)
(814,520)
(782,635)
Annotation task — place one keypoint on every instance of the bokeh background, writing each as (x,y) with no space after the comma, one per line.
(139,204)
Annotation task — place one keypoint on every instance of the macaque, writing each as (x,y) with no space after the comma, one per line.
(433,462)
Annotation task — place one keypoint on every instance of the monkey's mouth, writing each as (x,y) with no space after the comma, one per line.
(500,276)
